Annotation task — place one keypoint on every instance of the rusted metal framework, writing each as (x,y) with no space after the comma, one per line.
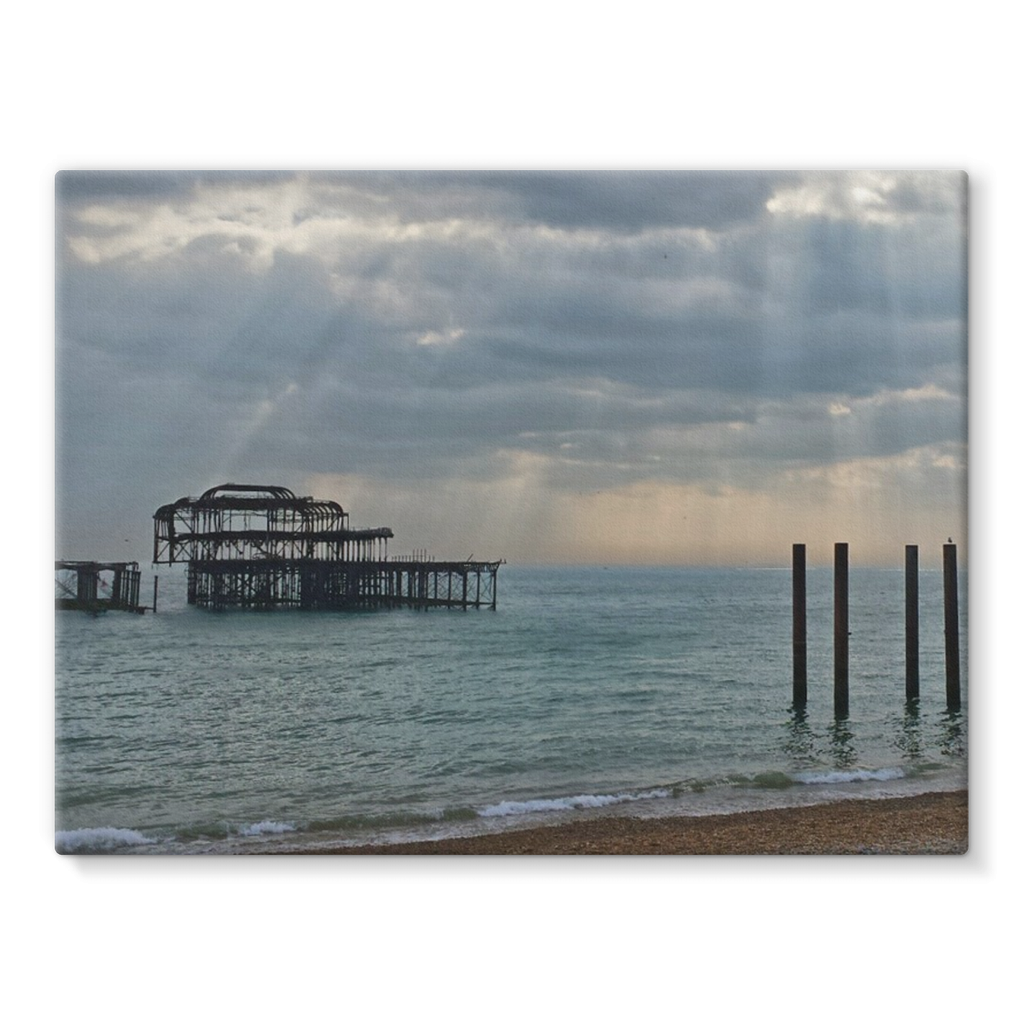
(97,586)
(244,522)
(251,546)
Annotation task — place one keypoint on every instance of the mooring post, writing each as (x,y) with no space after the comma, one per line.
(799,625)
(912,616)
(156,584)
(841,630)
(952,627)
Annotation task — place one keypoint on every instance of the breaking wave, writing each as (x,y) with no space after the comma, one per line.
(568,803)
(98,840)
(264,828)
(856,775)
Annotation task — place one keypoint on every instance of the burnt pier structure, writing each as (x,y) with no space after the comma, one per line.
(98,586)
(260,547)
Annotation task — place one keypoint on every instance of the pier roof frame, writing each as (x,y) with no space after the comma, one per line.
(256,521)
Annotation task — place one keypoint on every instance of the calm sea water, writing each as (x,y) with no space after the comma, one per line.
(589,691)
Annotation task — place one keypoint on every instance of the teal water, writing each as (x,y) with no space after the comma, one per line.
(588,691)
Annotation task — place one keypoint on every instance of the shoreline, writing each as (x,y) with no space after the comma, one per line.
(927,823)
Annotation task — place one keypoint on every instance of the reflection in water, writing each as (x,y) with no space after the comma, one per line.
(841,736)
(952,740)
(908,736)
(799,743)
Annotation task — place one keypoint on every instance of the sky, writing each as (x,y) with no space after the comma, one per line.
(680,368)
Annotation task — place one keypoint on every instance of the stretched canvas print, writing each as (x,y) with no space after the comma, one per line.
(511,512)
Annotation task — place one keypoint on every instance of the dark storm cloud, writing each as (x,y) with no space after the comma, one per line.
(918,195)
(854,266)
(621,314)
(628,202)
(76,187)
(493,416)
(634,202)
(804,434)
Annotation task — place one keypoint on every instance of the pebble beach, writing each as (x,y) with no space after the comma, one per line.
(929,823)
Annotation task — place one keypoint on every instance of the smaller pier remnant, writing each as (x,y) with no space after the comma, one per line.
(98,586)
(261,547)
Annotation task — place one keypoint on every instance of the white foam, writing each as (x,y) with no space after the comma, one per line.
(857,775)
(568,803)
(85,839)
(262,828)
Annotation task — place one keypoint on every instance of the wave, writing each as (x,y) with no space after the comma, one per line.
(856,775)
(390,819)
(98,840)
(568,803)
(263,828)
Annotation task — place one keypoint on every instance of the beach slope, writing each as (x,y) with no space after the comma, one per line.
(931,823)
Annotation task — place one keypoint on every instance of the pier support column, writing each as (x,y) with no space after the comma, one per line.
(799,625)
(88,578)
(913,647)
(949,583)
(841,631)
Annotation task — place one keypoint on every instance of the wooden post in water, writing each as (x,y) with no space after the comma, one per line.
(156,583)
(952,627)
(913,647)
(799,625)
(841,630)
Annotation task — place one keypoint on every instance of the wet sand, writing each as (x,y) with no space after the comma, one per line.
(932,823)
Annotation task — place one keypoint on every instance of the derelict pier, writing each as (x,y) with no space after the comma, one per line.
(260,547)
(98,587)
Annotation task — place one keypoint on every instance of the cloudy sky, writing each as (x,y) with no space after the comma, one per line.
(680,368)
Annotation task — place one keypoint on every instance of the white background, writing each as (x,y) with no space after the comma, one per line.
(450,84)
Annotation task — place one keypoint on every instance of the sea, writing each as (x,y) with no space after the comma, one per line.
(589,691)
